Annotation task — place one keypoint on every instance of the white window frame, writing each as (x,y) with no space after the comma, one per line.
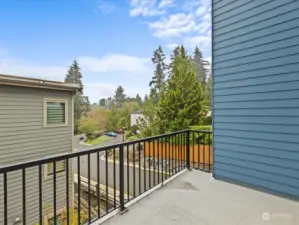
(65,101)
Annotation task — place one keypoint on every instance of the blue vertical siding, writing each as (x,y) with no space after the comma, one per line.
(256,93)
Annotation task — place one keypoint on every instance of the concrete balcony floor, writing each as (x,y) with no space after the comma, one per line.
(195,198)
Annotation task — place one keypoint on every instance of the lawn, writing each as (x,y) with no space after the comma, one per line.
(99,140)
(201,127)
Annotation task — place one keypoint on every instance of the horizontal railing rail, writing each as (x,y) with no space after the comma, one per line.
(86,185)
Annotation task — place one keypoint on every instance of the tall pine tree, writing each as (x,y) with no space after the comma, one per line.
(119,96)
(74,76)
(81,103)
(158,79)
(200,67)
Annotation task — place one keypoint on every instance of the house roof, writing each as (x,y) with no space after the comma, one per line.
(36,83)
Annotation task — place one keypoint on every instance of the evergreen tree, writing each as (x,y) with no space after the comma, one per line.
(200,66)
(81,103)
(176,53)
(102,102)
(146,97)
(181,103)
(74,75)
(119,96)
(158,79)
(182,52)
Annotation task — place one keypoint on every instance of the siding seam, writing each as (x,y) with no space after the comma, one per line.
(253,78)
(238,72)
(261,139)
(251,146)
(268,59)
(259,53)
(257,177)
(258,100)
(232,9)
(271,132)
(256,92)
(248,153)
(254,39)
(255,14)
(262,84)
(260,22)
(260,30)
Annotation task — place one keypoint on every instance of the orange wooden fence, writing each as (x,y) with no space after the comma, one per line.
(202,154)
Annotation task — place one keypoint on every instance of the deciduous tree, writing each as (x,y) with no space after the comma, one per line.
(94,122)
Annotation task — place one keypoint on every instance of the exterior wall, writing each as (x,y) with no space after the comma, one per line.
(23,138)
(134,117)
(256,93)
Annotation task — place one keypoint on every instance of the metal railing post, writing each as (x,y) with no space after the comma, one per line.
(188,149)
(121,181)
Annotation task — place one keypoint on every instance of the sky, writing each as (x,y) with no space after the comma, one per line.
(112,40)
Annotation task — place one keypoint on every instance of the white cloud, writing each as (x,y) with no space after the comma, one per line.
(201,41)
(110,63)
(27,69)
(165,3)
(115,62)
(189,24)
(95,91)
(171,46)
(145,8)
(173,25)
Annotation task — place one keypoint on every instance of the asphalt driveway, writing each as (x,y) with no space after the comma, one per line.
(143,179)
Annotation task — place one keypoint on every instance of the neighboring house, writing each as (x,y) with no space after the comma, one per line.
(36,121)
(134,117)
(256,94)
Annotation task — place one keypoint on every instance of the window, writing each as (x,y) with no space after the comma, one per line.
(55,112)
(60,167)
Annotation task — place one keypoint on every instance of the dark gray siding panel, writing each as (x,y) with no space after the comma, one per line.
(23,138)
(256,93)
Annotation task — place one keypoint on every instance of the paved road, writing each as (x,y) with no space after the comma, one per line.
(131,176)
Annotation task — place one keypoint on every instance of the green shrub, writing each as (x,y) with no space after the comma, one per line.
(128,134)
(200,138)
(201,127)
(207,120)
(132,138)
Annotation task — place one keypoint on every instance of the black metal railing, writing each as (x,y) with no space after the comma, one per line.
(83,186)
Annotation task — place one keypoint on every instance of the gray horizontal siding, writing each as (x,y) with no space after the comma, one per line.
(14,197)
(23,138)
(256,93)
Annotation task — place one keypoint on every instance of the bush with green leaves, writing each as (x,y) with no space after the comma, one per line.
(128,134)
(132,138)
